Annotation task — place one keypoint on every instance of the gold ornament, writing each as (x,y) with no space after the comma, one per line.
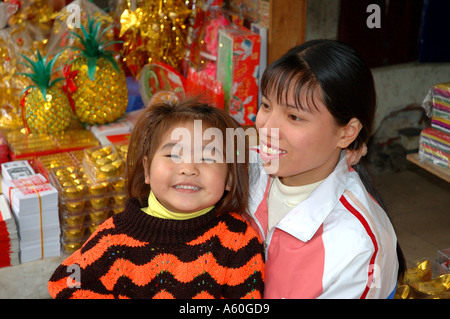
(47,108)
(49,115)
(102,100)
(157,31)
(99,87)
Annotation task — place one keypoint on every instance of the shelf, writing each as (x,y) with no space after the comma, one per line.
(437,170)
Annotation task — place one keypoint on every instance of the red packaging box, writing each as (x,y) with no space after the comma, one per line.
(237,70)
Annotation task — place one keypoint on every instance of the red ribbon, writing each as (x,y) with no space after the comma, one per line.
(69,87)
(22,104)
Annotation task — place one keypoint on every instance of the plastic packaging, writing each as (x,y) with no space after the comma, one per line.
(434,143)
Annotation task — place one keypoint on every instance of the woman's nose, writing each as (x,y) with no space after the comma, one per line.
(270,128)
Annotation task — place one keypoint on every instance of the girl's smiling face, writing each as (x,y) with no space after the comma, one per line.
(182,182)
(309,141)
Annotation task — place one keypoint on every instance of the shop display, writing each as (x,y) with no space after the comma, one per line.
(159,77)
(202,85)
(419,283)
(34,203)
(9,240)
(159,31)
(100,87)
(434,145)
(11,83)
(16,170)
(89,193)
(46,106)
(237,69)
(4,150)
(66,102)
(215,20)
(444,260)
(440,117)
(23,145)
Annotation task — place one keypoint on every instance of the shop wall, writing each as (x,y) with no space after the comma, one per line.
(397,85)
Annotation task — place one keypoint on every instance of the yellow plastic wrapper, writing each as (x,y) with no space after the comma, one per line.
(68,19)
(40,14)
(23,31)
(157,31)
(417,283)
(10,83)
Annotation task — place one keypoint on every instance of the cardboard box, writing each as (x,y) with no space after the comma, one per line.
(237,70)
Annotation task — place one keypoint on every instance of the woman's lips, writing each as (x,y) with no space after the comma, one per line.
(268,153)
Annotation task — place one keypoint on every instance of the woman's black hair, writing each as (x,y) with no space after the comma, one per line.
(347,89)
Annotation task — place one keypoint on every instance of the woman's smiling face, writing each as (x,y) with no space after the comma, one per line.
(307,143)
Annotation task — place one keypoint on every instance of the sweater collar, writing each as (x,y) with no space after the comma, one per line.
(156,209)
(136,223)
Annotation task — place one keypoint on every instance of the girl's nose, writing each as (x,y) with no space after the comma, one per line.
(188,169)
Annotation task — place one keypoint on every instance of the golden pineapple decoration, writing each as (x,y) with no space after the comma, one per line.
(46,106)
(101,94)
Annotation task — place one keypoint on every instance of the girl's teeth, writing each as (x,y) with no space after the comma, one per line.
(187,187)
(271,151)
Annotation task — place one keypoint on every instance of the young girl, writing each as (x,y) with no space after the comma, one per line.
(325,234)
(181,234)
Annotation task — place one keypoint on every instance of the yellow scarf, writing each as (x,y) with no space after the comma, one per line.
(155,209)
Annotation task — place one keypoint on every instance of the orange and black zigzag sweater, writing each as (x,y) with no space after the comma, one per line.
(135,255)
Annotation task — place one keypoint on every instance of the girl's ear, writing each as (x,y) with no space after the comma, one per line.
(349,132)
(146,170)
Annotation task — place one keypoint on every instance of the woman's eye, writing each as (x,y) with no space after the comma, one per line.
(265,106)
(208,160)
(294,117)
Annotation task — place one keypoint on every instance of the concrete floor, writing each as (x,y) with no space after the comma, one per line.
(419,208)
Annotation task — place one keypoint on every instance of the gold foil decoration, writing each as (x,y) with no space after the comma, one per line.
(418,283)
(104,164)
(157,31)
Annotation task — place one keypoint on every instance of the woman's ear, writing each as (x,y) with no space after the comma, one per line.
(146,170)
(349,132)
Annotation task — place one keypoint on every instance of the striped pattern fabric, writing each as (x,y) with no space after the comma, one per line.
(135,255)
(434,145)
(440,117)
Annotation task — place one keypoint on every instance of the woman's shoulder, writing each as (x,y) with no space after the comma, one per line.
(359,219)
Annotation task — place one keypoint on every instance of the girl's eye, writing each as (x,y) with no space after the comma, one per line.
(208,160)
(173,156)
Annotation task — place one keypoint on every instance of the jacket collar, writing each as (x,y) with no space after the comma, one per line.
(305,219)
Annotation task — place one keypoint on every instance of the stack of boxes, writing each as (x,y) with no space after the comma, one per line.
(89,192)
(238,71)
(434,141)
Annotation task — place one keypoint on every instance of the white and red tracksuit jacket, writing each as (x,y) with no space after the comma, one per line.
(338,243)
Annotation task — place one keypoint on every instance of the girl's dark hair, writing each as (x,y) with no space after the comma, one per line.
(158,119)
(347,90)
